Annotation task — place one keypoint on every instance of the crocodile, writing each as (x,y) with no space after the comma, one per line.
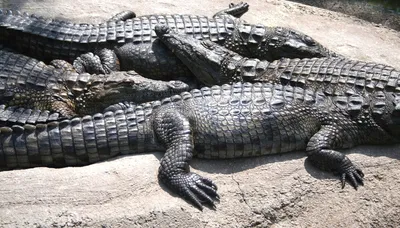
(213,64)
(219,122)
(30,83)
(131,44)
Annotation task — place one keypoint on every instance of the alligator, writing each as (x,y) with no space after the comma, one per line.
(228,121)
(131,44)
(213,64)
(30,83)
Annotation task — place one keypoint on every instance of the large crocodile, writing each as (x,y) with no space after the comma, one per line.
(30,83)
(132,45)
(229,121)
(213,64)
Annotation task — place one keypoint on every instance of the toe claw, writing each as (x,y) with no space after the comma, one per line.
(353,176)
(353,181)
(196,189)
(193,199)
(360,172)
(343,180)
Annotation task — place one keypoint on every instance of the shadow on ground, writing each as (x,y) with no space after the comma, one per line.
(12,4)
(386,14)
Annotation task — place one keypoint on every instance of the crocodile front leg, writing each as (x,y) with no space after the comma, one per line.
(173,130)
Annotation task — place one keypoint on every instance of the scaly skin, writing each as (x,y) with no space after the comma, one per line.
(25,72)
(229,121)
(213,64)
(132,44)
(82,94)
(29,83)
(12,115)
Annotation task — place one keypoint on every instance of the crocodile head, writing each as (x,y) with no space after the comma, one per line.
(288,43)
(203,58)
(104,90)
(386,112)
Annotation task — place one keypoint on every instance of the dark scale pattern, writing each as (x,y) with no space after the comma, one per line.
(229,121)
(25,72)
(134,43)
(214,64)
(331,75)
(29,83)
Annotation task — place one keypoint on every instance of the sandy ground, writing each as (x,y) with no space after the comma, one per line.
(276,191)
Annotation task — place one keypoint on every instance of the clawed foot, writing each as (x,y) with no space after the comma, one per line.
(351,173)
(196,189)
(235,10)
(240,5)
(103,62)
(123,16)
(238,10)
(89,63)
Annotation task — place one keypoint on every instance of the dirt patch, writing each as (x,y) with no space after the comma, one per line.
(386,13)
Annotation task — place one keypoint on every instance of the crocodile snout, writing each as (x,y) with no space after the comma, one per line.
(162,30)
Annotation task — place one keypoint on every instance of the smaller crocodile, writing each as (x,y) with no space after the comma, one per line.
(131,44)
(82,94)
(213,64)
(30,83)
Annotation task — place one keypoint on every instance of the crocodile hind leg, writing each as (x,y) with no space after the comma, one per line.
(104,61)
(321,153)
(235,10)
(173,130)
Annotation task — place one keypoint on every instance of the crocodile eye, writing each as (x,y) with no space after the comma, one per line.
(58,97)
(176,84)
(309,40)
(208,44)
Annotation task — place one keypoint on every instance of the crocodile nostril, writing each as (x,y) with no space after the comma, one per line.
(162,29)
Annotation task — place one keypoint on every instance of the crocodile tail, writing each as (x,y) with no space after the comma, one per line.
(48,39)
(78,141)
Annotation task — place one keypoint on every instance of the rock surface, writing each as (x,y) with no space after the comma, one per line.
(276,191)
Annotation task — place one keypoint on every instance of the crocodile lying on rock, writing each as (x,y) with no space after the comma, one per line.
(30,83)
(228,121)
(132,45)
(213,64)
